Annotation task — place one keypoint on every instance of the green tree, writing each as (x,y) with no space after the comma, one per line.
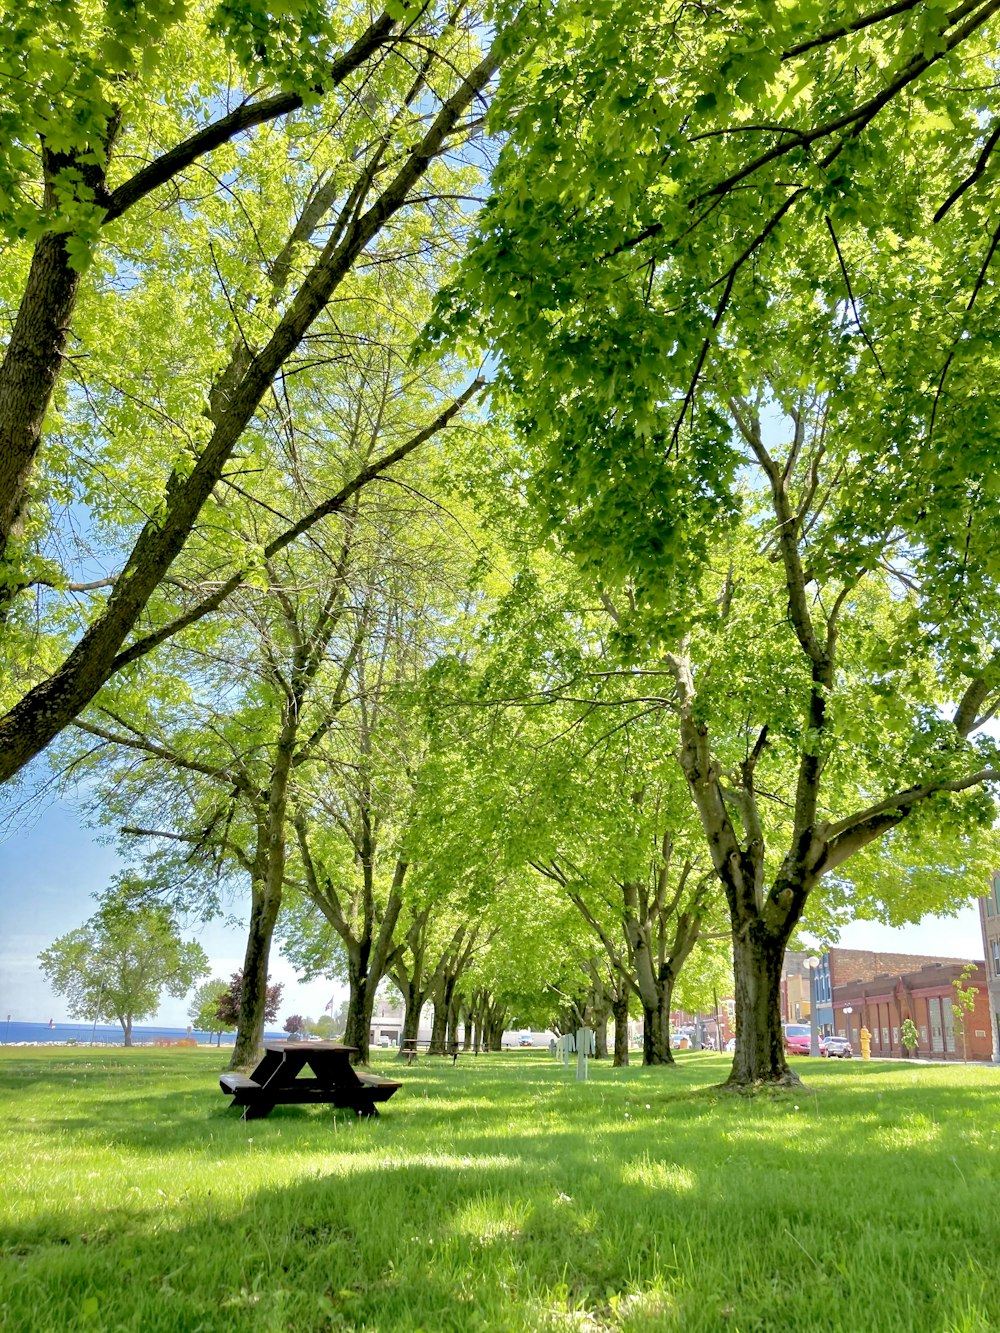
(861,718)
(965,1001)
(204,1010)
(120,962)
(251,250)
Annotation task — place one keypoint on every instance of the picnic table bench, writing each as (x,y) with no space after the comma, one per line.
(279,1080)
(411,1046)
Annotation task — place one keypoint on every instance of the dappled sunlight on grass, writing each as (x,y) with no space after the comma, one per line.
(498,1195)
(658,1175)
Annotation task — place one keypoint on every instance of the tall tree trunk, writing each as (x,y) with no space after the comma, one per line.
(601,1035)
(127,1029)
(412,1005)
(656,1029)
(439,1026)
(496,1021)
(34,354)
(760,1046)
(453,1016)
(270,857)
(360,1004)
(250,1030)
(619,1011)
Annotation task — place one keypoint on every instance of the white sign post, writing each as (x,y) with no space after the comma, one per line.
(584,1047)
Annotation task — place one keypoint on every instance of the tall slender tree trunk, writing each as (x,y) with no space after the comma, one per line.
(619,1011)
(250,1031)
(760,1046)
(127,1029)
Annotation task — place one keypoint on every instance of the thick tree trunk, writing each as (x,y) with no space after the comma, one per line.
(495,1024)
(250,1033)
(619,1010)
(127,1030)
(412,1004)
(360,1004)
(760,1046)
(34,355)
(30,369)
(453,1014)
(601,1037)
(656,1030)
(439,1027)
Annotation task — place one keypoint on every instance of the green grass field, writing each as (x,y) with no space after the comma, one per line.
(498,1195)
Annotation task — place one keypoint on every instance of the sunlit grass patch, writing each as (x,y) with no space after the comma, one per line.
(497,1195)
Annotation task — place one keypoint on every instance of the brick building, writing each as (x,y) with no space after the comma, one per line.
(838,966)
(989,920)
(795,987)
(926,995)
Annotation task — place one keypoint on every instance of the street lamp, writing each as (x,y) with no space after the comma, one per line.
(812,963)
(848,1010)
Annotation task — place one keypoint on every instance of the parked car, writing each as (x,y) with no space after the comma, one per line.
(525,1039)
(838,1047)
(798,1039)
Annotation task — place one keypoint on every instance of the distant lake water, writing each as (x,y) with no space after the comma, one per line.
(107,1034)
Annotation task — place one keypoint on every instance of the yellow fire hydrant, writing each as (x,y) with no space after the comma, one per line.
(866,1044)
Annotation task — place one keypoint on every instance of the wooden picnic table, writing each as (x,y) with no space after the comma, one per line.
(279,1080)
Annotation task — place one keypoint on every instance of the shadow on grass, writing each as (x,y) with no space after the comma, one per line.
(502,1197)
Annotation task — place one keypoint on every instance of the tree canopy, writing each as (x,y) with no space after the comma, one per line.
(120,962)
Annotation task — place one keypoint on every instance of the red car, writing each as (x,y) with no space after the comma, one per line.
(798,1039)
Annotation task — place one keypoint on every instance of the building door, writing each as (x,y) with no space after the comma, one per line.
(949,1027)
(937,1032)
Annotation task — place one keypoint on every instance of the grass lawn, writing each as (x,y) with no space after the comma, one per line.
(498,1195)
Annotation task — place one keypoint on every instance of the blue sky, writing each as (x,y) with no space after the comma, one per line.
(49,870)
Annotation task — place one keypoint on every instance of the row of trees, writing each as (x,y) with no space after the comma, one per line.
(691,643)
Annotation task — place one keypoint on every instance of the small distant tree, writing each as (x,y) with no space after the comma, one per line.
(204,1011)
(325,1027)
(965,1001)
(295,1025)
(120,962)
(228,1007)
(909,1036)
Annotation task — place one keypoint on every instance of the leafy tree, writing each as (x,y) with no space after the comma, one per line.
(292,638)
(295,1023)
(658,182)
(909,1036)
(850,730)
(965,1001)
(120,962)
(217,288)
(204,1010)
(229,1002)
(328,1027)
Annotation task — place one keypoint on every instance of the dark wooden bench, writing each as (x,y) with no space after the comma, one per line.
(278,1080)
